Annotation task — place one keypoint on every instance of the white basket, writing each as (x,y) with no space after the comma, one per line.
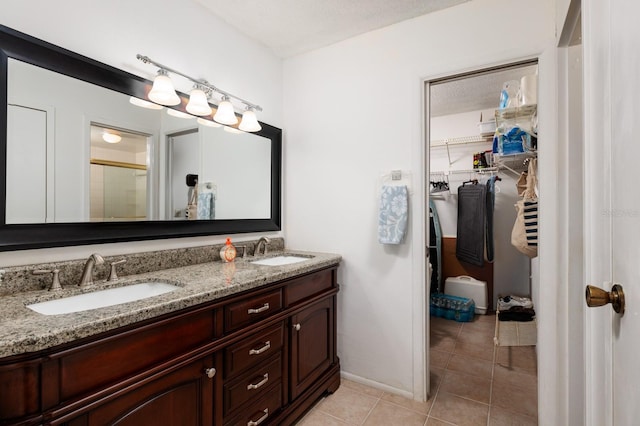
(487,127)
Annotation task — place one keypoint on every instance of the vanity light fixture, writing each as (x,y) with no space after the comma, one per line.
(178,114)
(111,137)
(144,104)
(198,103)
(162,91)
(225,113)
(249,121)
(208,123)
(198,99)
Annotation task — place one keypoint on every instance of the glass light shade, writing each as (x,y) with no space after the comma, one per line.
(144,104)
(179,114)
(225,113)
(163,92)
(111,137)
(249,122)
(208,123)
(198,104)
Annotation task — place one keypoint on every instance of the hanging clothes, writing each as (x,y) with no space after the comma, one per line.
(491,202)
(470,239)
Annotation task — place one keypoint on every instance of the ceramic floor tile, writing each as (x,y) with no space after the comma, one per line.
(480,337)
(501,417)
(442,342)
(388,414)
(435,422)
(484,351)
(522,357)
(417,406)
(472,366)
(503,375)
(368,390)
(435,378)
(459,411)
(438,359)
(466,386)
(318,418)
(348,405)
(442,323)
(516,399)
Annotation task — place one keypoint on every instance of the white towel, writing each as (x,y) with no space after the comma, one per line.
(393,214)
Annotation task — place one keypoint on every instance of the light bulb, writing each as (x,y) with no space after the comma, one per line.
(198,104)
(225,113)
(249,121)
(111,137)
(162,91)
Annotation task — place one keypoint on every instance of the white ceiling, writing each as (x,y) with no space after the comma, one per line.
(291,27)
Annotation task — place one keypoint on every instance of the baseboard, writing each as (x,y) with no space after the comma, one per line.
(376,385)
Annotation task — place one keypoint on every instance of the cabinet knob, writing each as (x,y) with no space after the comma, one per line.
(296,327)
(210,372)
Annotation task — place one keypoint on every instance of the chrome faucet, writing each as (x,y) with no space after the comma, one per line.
(264,240)
(87,272)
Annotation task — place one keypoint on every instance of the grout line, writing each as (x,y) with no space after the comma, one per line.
(370,411)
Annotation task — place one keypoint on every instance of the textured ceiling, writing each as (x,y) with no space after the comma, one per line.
(291,27)
(473,93)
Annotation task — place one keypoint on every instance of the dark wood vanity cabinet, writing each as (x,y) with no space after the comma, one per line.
(259,357)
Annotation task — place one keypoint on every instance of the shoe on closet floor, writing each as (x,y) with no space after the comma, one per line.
(508,302)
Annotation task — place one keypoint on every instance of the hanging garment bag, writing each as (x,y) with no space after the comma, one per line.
(472,203)
(524,235)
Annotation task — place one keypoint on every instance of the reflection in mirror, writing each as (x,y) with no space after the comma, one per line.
(53,98)
(141,177)
(118,189)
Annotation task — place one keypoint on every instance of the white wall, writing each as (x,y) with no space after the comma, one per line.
(180,34)
(353,111)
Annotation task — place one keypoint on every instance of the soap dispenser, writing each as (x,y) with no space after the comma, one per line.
(228,251)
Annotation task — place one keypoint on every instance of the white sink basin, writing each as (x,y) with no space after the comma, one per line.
(102,298)
(280,260)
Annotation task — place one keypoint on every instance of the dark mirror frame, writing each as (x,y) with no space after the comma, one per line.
(17,45)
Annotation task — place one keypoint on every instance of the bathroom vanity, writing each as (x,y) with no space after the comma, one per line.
(235,344)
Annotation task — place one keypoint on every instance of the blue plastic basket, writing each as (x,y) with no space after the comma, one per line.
(450,307)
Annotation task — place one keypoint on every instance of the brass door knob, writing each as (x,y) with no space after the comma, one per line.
(598,297)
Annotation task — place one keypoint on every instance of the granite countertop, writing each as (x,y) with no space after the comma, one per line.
(23,330)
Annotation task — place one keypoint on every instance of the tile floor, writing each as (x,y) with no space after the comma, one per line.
(471,384)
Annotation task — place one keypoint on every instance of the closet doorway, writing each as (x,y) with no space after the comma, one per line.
(481,131)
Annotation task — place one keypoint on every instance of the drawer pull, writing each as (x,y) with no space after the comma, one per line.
(265,379)
(266,347)
(264,307)
(210,372)
(260,420)
(296,327)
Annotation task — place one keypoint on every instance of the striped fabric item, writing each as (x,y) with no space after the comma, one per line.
(531,222)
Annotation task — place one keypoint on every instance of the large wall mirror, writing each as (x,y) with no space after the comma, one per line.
(83,164)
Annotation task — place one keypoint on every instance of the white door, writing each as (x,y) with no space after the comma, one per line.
(611,39)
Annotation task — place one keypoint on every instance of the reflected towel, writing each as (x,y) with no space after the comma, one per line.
(393,214)
(206,201)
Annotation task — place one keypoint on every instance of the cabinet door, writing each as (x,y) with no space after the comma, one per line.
(312,344)
(184,397)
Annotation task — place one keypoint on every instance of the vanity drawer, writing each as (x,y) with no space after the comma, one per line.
(252,385)
(251,309)
(301,288)
(253,350)
(259,412)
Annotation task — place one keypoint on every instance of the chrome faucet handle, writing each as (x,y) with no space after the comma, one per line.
(55,283)
(113,275)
